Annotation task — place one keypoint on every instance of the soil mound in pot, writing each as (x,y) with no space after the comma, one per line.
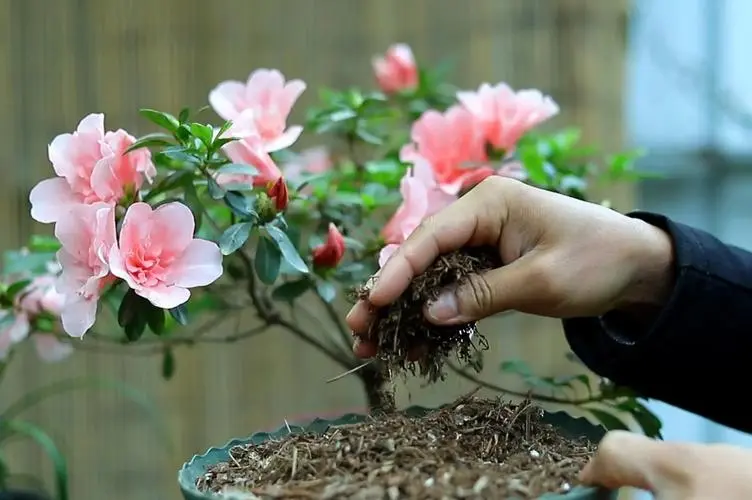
(474,448)
(405,340)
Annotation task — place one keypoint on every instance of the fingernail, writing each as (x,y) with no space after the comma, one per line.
(445,308)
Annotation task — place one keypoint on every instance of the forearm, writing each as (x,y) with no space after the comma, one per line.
(698,342)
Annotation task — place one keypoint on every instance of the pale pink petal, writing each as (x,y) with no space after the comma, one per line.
(117,267)
(164,296)
(92,123)
(292,91)
(260,82)
(472,101)
(51,199)
(250,151)
(227,99)
(199,265)
(386,253)
(135,227)
(172,227)
(20,328)
(50,349)
(285,140)
(79,315)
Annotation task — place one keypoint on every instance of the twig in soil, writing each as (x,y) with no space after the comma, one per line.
(350,371)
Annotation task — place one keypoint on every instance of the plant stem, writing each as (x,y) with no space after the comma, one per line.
(530,395)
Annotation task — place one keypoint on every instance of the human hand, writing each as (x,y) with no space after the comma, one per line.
(563,258)
(671,471)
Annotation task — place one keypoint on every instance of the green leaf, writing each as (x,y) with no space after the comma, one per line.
(239,204)
(203,132)
(15,261)
(168,364)
(215,190)
(194,203)
(268,260)
(16,288)
(237,169)
(234,237)
(184,114)
(133,315)
(326,290)
(44,244)
(180,314)
(651,425)
(518,367)
(289,252)
(288,292)
(164,120)
(45,442)
(150,140)
(156,319)
(609,421)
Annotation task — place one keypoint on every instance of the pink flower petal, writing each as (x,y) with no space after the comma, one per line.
(164,296)
(386,253)
(285,140)
(50,349)
(50,199)
(172,227)
(199,265)
(225,97)
(79,315)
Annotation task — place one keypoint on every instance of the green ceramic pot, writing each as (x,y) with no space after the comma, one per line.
(195,467)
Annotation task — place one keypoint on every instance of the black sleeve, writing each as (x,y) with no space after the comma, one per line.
(697,354)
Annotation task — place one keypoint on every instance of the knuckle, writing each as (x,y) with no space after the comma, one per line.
(479,291)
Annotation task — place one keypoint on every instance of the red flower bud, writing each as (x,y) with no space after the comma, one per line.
(277,191)
(330,252)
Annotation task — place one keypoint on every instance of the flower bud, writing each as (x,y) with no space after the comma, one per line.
(330,253)
(278,192)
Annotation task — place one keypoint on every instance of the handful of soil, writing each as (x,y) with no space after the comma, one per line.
(474,448)
(404,338)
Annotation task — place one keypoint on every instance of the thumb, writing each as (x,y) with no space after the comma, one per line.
(485,294)
(628,459)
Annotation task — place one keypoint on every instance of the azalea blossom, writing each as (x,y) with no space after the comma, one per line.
(91,166)
(421,198)
(396,70)
(40,296)
(316,160)
(330,253)
(158,256)
(506,115)
(248,149)
(263,103)
(86,234)
(451,142)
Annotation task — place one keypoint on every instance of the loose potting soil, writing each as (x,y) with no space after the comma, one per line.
(472,449)
(403,336)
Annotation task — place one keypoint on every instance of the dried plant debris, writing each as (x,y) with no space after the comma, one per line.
(406,340)
(473,449)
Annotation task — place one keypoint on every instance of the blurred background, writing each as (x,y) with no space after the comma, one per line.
(667,75)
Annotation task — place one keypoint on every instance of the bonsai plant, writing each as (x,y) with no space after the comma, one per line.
(169,227)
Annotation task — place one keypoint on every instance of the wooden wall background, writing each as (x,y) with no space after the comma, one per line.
(62,59)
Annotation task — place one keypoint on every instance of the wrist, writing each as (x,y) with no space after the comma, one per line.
(651,258)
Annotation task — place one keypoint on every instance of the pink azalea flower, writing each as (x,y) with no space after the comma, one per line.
(158,256)
(91,167)
(248,149)
(396,70)
(12,330)
(40,296)
(506,115)
(86,234)
(314,160)
(451,142)
(421,198)
(330,253)
(265,101)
